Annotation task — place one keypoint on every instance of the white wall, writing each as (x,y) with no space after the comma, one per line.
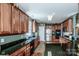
(42,32)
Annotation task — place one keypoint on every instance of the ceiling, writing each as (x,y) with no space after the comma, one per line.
(40,11)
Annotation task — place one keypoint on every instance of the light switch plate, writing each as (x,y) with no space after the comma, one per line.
(2,40)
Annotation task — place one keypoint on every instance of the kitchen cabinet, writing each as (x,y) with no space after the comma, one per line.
(34,26)
(26,23)
(23,22)
(77,24)
(68,25)
(59,26)
(21,17)
(56,27)
(12,20)
(36,42)
(65,43)
(15,20)
(28,49)
(20,52)
(77,45)
(19,21)
(25,49)
(52,28)
(5,18)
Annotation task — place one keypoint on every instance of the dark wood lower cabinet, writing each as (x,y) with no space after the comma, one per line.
(24,51)
(36,43)
(20,52)
(27,50)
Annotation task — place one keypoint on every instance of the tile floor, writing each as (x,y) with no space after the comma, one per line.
(49,50)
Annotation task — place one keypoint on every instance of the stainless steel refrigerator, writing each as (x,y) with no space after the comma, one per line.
(48,35)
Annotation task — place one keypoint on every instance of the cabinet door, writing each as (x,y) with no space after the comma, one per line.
(67,26)
(22,21)
(26,23)
(15,20)
(0,18)
(21,53)
(59,27)
(28,47)
(55,27)
(5,18)
(70,25)
(52,28)
(33,25)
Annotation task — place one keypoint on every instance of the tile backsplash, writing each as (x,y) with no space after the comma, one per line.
(7,39)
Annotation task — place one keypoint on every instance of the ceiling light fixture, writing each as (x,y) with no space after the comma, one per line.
(50,16)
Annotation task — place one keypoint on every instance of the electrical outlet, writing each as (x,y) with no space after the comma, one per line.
(2,40)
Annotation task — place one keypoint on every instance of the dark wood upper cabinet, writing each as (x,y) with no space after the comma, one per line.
(5,18)
(15,20)
(19,20)
(34,26)
(56,27)
(67,24)
(26,23)
(22,22)
(0,18)
(12,20)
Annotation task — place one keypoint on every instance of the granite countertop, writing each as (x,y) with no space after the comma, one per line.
(65,39)
(16,47)
(30,39)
